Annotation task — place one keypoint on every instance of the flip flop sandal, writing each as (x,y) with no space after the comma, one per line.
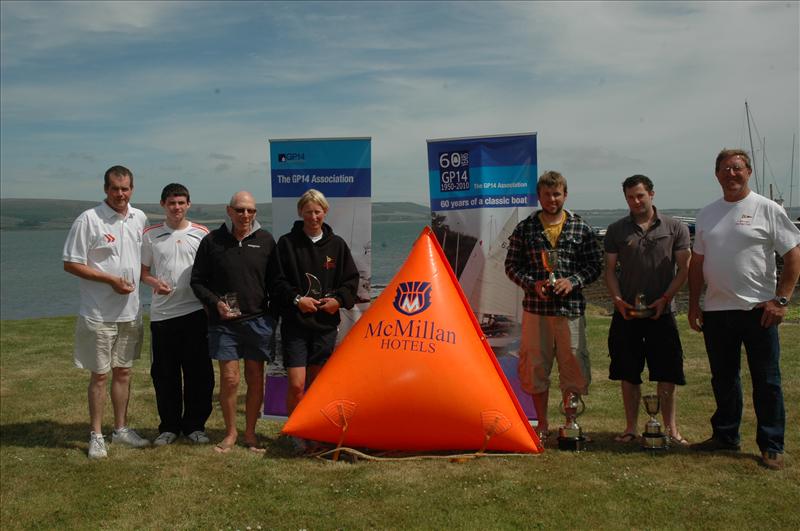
(254,447)
(679,440)
(626,437)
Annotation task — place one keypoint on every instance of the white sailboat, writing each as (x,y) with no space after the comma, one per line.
(493,297)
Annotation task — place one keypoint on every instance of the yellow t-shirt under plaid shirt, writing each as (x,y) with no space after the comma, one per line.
(552,232)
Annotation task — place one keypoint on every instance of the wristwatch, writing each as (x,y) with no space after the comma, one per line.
(296,300)
(781,301)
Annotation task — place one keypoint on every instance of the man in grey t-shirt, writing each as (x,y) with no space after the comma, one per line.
(647,261)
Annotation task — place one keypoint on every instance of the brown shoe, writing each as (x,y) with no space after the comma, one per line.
(772,460)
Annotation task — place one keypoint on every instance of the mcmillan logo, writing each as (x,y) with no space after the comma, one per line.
(412,297)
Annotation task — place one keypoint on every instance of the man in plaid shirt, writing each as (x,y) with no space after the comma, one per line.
(553,323)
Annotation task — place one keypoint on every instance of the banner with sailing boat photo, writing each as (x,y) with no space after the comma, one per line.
(480,188)
(340,168)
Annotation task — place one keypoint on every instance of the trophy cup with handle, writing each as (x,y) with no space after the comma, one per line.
(653,437)
(550,263)
(640,309)
(570,435)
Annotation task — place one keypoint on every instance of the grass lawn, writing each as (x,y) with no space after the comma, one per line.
(47,481)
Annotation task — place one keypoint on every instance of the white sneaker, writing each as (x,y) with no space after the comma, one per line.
(165,438)
(97,446)
(199,437)
(129,437)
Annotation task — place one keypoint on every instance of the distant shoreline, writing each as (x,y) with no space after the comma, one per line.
(58,214)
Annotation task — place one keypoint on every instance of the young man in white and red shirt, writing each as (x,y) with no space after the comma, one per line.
(178,322)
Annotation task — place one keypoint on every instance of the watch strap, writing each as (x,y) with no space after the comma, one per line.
(781,301)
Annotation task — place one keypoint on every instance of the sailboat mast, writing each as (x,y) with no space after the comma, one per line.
(791,174)
(763,167)
(752,151)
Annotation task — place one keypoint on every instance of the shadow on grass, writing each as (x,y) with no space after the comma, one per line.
(56,435)
(603,442)
(44,433)
(52,434)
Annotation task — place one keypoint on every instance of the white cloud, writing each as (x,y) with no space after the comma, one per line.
(612,88)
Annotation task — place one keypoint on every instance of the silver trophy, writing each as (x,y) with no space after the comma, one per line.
(640,309)
(550,263)
(570,435)
(654,437)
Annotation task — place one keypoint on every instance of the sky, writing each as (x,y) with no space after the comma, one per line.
(192,91)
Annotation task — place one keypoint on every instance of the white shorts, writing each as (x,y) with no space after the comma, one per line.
(101,346)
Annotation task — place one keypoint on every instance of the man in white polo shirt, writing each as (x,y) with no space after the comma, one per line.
(178,322)
(745,301)
(103,249)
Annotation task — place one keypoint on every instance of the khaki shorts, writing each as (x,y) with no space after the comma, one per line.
(101,346)
(545,338)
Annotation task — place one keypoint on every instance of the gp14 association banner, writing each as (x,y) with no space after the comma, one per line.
(341,169)
(480,188)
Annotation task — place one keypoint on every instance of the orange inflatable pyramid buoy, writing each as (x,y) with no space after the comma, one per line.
(415,373)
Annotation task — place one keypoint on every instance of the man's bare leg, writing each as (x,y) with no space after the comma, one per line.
(228,389)
(631,397)
(254,377)
(120,395)
(540,401)
(668,396)
(97,400)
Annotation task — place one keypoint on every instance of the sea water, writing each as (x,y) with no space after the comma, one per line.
(33,282)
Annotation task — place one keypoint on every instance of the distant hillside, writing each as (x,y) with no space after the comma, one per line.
(27,214)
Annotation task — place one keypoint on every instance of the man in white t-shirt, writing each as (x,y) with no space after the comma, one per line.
(734,250)
(178,322)
(103,249)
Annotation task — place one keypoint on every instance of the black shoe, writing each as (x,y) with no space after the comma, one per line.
(713,445)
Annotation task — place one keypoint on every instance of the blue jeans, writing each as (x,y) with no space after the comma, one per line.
(724,333)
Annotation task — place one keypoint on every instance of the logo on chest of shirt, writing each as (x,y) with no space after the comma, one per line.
(330,263)
(746,219)
(109,238)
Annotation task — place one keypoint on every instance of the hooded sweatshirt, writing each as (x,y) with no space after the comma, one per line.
(329,260)
(248,267)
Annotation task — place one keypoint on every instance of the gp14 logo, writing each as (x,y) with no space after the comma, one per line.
(291,157)
(412,297)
